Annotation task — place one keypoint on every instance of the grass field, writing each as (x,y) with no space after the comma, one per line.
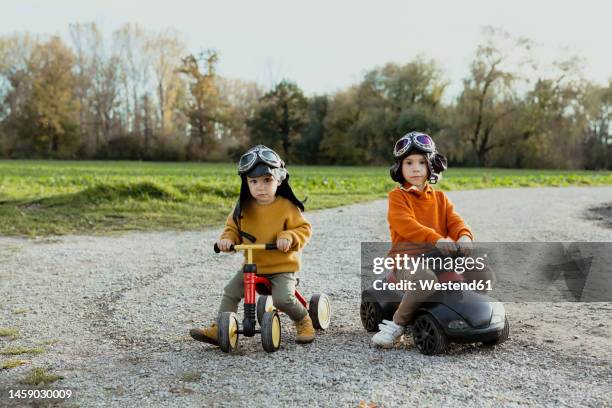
(39,198)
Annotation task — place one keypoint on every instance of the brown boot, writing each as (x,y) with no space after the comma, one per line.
(206,334)
(305,331)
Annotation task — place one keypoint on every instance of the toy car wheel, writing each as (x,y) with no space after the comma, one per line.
(371,315)
(502,337)
(264,304)
(228,332)
(428,336)
(270,331)
(319,310)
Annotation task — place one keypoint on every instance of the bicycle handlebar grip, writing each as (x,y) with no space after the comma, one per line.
(217,249)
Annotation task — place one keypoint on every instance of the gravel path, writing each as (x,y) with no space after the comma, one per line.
(113,315)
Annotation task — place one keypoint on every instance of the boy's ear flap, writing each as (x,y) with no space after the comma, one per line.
(439,163)
(395,172)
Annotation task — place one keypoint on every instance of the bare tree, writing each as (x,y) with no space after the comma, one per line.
(97,86)
(490,90)
(165,51)
(134,71)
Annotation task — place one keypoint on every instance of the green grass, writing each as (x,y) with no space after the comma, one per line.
(39,376)
(9,333)
(8,364)
(190,377)
(17,350)
(41,198)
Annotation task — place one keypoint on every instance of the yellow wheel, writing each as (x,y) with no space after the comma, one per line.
(228,332)
(264,304)
(271,331)
(319,310)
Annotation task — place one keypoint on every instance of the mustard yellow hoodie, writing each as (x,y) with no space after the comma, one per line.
(267,223)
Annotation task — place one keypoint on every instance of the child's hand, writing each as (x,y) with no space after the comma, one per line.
(465,246)
(283,244)
(225,244)
(446,246)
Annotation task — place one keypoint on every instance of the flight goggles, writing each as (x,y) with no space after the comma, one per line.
(419,140)
(259,154)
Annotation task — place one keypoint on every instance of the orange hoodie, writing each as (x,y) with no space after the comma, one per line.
(423,217)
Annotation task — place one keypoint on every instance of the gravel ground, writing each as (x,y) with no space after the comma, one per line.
(113,314)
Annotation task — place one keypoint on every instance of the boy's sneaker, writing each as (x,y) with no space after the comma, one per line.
(305,330)
(206,334)
(389,333)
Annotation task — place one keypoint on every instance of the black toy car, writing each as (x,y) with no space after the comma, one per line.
(453,316)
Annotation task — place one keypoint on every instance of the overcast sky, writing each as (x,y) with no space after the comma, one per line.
(327,45)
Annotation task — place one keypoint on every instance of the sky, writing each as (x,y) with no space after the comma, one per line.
(327,45)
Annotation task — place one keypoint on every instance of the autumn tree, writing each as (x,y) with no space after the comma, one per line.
(242,100)
(49,115)
(205,109)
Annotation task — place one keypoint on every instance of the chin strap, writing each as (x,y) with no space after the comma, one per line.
(236,217)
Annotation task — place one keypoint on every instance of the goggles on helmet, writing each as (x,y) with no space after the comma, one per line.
(259,154)
(420,141)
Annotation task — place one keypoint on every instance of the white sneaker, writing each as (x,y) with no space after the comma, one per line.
(389,333)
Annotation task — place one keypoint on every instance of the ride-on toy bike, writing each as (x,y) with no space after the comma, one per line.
(263,310)
(447,316)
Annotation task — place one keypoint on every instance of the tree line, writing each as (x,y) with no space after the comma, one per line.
(142,95)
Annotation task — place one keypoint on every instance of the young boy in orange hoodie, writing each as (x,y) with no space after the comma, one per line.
(418,217)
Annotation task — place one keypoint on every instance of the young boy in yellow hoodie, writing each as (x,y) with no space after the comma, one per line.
(267,211)
(419,217)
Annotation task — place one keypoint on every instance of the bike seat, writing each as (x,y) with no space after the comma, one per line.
(263,289)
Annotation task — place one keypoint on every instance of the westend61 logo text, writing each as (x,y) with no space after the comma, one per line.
(414,263)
